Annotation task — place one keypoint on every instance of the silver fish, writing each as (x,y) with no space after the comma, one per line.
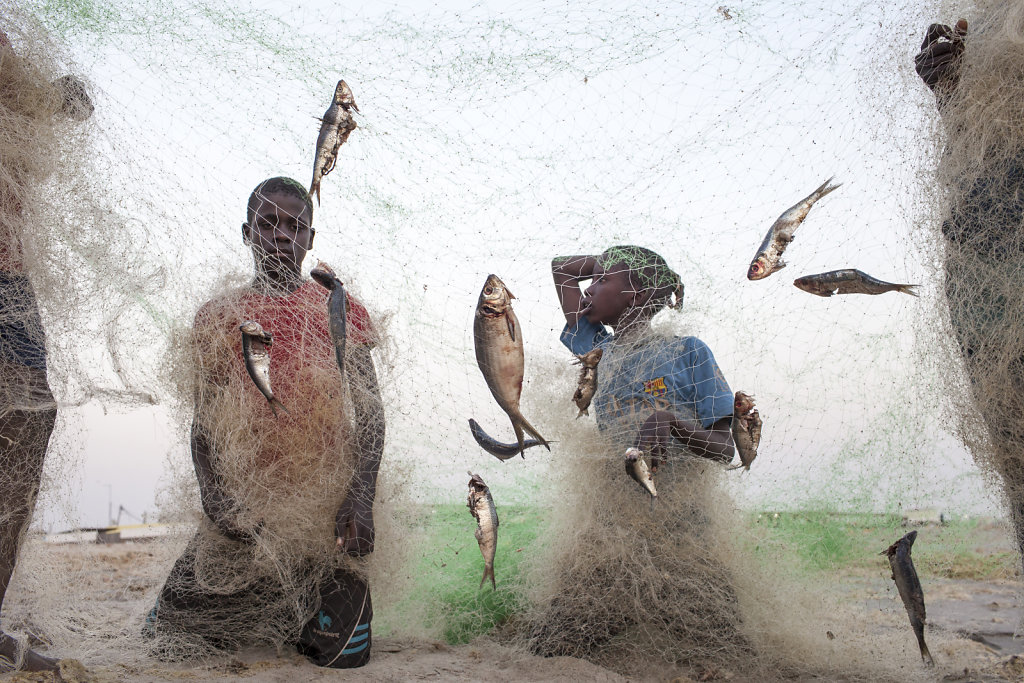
(335,127)
(909,587)
(502,451)
(848,281)
(337,310)
(256,352)
(586,387)
(746,429)
(636,467)
(769,256)
(481,506)
(498,339)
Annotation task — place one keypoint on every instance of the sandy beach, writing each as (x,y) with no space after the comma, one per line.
(971,626)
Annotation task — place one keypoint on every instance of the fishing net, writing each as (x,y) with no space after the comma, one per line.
(980,178)
(492,142)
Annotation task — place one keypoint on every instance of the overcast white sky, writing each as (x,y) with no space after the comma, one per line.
(495,136)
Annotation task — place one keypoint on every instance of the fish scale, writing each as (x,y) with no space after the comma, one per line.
(481,506)
(848,281)
(335,127)
(498,341)
(255,352)
(586,386)
(909,587)
(768,258)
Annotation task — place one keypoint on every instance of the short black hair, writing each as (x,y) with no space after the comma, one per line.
(277,185)
(648,270)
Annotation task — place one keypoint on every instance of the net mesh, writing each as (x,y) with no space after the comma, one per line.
(492,142)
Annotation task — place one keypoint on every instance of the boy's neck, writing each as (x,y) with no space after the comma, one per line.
(633,326)
(276,283)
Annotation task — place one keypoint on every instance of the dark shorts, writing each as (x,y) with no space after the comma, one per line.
(21,331)
(337,635)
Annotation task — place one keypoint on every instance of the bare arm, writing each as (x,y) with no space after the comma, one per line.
(714,444)
(567,272)
(354,522)
(217,504)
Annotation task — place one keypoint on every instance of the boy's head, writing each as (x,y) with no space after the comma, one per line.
(278,226)
(629,278)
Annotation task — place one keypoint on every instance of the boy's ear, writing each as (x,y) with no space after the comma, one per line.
(312,235)
(641,298)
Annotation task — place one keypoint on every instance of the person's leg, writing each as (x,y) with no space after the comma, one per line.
(986,338)
(192,619)
(24,436)
(338,635)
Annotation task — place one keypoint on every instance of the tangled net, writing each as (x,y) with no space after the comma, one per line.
(497,143)
(981,189)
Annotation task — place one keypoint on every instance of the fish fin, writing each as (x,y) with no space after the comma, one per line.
(529,428)
(511,327)
(907,289)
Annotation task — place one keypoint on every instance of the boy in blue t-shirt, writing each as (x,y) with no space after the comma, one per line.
(665,395)
(653,391)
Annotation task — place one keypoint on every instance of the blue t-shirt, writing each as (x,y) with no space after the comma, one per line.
(678,374)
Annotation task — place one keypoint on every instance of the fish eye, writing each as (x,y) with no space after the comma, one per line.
(488,290)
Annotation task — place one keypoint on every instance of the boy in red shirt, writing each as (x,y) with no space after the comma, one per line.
(285,497)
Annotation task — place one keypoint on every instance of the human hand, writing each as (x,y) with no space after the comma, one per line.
(229,527)
(938,62)
(353,526)
(655,435)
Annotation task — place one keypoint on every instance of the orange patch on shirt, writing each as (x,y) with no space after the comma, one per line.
(656,387)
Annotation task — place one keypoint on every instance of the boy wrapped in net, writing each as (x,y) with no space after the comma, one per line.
(288,498)
(632,581)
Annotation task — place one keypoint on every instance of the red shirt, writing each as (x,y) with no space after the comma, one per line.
(304,376)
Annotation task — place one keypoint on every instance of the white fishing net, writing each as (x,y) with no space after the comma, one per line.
(491,141)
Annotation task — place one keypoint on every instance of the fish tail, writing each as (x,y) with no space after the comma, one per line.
(523,424)
(907,289)
(488,572)
(926,656)
(519,438)
(275,403)
(825,189)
